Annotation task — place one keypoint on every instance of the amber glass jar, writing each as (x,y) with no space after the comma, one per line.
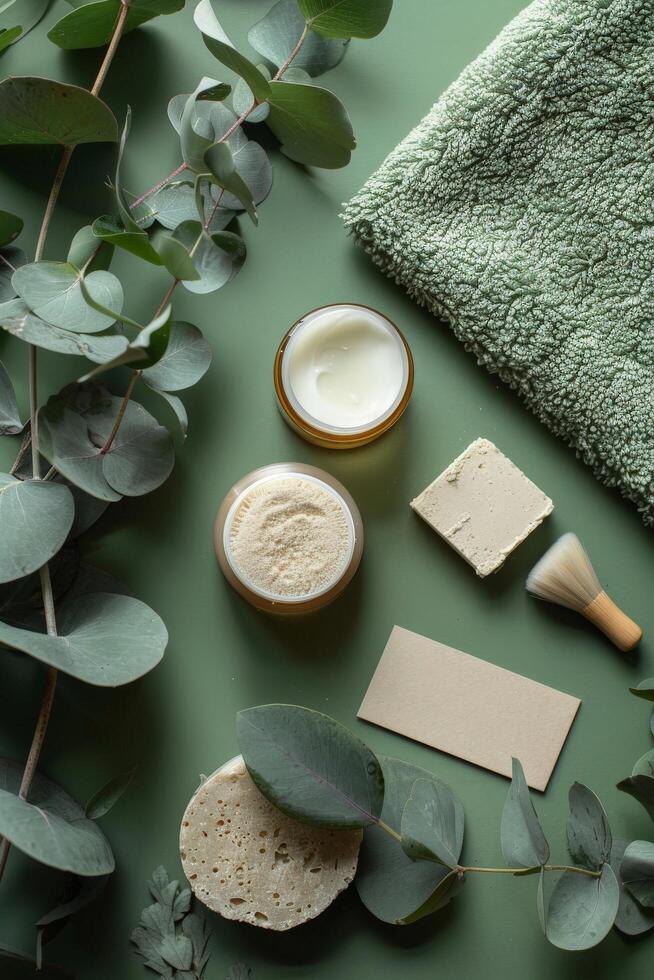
(262,599)
(319,431)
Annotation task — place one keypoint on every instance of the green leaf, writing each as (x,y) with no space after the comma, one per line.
(178,409)
(310,766)
(637,871)
(523,841)
(217,258)
(175,203)
(89,254)
(632,919)
(104,639)
(52,291)
(239,971)
(74,428)
(39,110)
(11,259)
(147,348)
(36,518)
(311,124)
(9,36)
(17,319)
(276,34)
(346,18)
(429,824)
(10,227)
(174,255)
(193,142)
(81,893)
(645,765)
(389,883)
(10,423)
(644,690)
(242,99)
(582,909)
(222,48)
(92,24)
(185,361)
(26,13)
(442,895)
(106,798)
(51,827)
(220,161)
(588,831)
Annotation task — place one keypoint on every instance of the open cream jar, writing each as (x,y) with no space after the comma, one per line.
(288,538)
(343,375)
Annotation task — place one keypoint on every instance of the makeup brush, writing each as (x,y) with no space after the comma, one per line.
(564,575)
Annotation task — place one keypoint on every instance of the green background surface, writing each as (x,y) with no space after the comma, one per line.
(179,721)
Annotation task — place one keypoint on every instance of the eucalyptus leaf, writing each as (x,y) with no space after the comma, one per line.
(35,517)
(632,919)
(222,48)
(523,841)
(243,100)
(346,18)
(644,690)
(582,909)
(219,160)
(10,227)
(310,766)
(50,826)
(11,258)
(108,795)
(276,34)
(389,883)
(177,406)
(39,110)
(175,255)
(146,348)
(92,24)
(75,426)
(429,824)
(216,258)
(89,254)
(52,291)
(81,893)
(645,765)
(25,13)
(442,895)
(192,140)
(17,319)
(588,831)
(637,871)
(311,124)
(8,36)
(10,423)
(176,203)
(185,361)
(104,639)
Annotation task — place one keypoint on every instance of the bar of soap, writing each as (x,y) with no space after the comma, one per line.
(483,506)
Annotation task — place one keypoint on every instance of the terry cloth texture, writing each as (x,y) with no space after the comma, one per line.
(521,210)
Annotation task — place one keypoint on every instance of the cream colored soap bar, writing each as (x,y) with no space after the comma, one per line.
(483,506)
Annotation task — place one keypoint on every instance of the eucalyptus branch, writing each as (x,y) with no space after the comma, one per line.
(121,411)
(532,870)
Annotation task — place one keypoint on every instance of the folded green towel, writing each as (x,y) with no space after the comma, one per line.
(521,210)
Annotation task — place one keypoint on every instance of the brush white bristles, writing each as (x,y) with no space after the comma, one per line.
(564,575)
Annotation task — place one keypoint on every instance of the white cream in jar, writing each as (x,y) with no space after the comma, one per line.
(345,368)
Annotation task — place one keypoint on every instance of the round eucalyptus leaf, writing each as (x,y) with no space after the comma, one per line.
(145,349)
(10,227)
(276,35)
(637,871)
(220,161)
(446,889)
(88,253)
(310,766)
(222,48)
(429,824)
(523,841)
(176,203)
(346,18)
(177,406)
(36,518)
(11,258)
(644,690)
(389,883)
(50,826)
(217,258)
(17,319)
(645,765)
(186,360)
(311,124)
(10,423)
(175,255)
(588,830)
(75,426)
(104,639)
(92,24)
(242,100)
(582,909)
(253,166)
(632,919)
(110,230)
(52,291)
(194,135)
(39,110)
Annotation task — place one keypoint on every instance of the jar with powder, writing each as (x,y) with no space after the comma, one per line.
(288,538)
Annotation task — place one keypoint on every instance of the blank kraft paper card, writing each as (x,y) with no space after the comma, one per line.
(468,707)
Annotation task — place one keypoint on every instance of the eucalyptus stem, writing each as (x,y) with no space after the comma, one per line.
(389,830)
(43,718)
(121,411)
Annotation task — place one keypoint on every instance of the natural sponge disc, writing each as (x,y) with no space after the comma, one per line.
(248,861)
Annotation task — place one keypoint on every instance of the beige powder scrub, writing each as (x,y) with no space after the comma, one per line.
(290,536)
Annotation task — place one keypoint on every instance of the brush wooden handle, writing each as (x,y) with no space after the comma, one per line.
(620,629)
